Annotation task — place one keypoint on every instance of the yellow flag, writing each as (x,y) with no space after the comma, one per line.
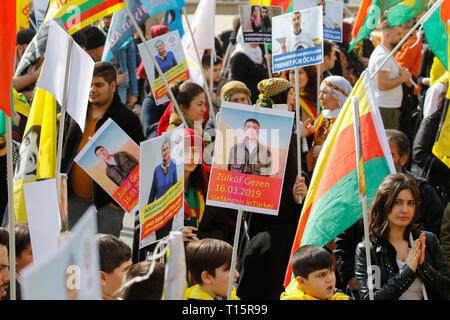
(22,14)
(21,103)
(441,148)
(37,153)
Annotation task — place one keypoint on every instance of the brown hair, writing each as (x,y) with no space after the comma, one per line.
(112,252)
(149,289)
(384,201)
(207,255)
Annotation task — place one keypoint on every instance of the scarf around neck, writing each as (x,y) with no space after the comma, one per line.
(255,54)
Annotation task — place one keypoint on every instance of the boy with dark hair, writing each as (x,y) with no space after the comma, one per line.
(218,81)
(209,262)
(24,251)
(115,260)
(314,276)
(149,289)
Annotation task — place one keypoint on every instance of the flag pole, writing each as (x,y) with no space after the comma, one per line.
(63,106)
(424,18)
(234,254)
(12,238)
(298,124)
(208,94)
(266,50)
(211,68)
(318,86)
(161,74)
(362,190)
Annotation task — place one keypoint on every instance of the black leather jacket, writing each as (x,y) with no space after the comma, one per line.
(393,282)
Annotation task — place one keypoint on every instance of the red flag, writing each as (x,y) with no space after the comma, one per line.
(7,52)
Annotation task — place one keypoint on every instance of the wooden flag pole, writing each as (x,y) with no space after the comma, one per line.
(208,94)
(363,197)
(298,124)
(424,18)
(161,74)
(12,238)
(234,254)
(64,106)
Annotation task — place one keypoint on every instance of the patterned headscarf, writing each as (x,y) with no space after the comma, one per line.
(269,88)
(233,87)
(339,86)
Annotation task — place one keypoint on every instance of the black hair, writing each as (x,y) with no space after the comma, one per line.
(206,61)
(281,98)
(327,48)
(309,258)
(149,289)
(112,252)
(185,92)
(105,70)
(253,120)
(98,147)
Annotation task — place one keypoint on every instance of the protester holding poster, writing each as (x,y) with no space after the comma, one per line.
(104,103)
(267,250)
(169,54)
(300,44)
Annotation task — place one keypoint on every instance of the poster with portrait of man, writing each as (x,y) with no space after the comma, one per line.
(249,159)
(297,39)
(161,188)
(256,22)
(333,15)
(169,55)
(111,159)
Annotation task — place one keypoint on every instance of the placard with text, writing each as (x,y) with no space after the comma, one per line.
(249,159)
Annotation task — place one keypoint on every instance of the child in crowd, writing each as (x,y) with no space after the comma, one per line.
(115,260)
(149,289)
(209,262)
(314,276)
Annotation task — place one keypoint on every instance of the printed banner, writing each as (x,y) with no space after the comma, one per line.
(333,14)
(297,39)
(250,158)
(256,22)
(162,190)
(111,159)
(169,54)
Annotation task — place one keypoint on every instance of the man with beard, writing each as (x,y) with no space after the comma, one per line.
(388,81)
(266,22)
(300,40)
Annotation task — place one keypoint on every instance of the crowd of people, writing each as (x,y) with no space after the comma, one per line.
(409,219)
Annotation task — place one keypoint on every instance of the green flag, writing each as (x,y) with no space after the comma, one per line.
(436,32)
(406,10)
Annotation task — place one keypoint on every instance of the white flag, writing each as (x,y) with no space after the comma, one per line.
(203,31)
(54,70)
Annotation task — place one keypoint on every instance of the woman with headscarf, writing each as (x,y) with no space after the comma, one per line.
(333,93)
(247,65)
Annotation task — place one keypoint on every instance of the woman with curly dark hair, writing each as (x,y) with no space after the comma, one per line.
(408,263)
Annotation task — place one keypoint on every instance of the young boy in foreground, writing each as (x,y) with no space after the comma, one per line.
(314,276)
(209,262)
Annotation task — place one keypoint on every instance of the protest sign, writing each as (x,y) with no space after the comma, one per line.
(256,22)
(71,273)
(80,68)
(169,54)
(111,159)
(333,14)
(43,217)
(297,39)
(162,191)
(249,158)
